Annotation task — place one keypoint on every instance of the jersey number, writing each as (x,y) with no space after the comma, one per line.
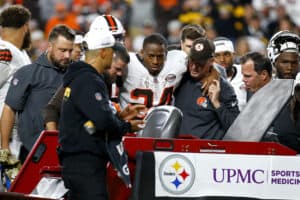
(147,94)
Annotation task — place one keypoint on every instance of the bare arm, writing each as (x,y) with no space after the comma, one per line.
(7,122)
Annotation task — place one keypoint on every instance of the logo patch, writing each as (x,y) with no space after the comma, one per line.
(202,101)
(98,96)
(170,77)
(90,127)
(67,93)
(199,47)
(15,81)
(177,174)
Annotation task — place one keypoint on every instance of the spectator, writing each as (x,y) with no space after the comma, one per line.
(62,16)
(148,29)
(32,87)
(15,39)
(206,116)
(174,29)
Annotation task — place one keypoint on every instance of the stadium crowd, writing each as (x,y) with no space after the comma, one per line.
(248,23)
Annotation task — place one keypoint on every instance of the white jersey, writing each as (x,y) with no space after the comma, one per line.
(239,86)
(140,87)
(11,59)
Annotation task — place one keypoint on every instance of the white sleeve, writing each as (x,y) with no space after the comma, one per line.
(4,73)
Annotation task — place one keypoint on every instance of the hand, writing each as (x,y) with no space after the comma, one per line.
(214,93)
(208,80)
(137,125)
(133,111)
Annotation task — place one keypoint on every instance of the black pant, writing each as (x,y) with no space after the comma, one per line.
(23,154)
(85,176)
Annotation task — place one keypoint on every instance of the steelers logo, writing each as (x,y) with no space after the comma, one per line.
(176,174)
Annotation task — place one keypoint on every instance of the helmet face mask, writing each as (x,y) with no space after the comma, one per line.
(283,41)
(119,37)
(109,23)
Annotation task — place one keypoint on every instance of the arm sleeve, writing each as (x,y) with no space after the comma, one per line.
(19,89)
(93,102)
(51,112)
(4,71)
(5,62)
(228,110)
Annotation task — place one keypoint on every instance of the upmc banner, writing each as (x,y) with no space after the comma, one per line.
(198,175)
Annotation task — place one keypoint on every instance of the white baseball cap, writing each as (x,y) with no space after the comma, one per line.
(98,40)
(223,44)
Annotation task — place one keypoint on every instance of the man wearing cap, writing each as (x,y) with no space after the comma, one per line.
(112,78)
(77,48)
(206,115)
(283,51)
(224,56)
(88,120)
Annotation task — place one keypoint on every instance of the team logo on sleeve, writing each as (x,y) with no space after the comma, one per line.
(5,55)
(67,93)
(177,174)
(98,96)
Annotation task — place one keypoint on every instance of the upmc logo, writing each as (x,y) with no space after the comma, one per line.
(227,175)
(176,174)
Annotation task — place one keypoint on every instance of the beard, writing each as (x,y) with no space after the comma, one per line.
(62,65)
(27,41)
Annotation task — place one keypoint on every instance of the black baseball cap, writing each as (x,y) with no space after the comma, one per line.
(202,50)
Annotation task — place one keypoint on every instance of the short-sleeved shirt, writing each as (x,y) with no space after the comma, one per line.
(11,59)
(31,88)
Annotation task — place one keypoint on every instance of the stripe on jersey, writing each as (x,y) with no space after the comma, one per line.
(111,22)
(5,55)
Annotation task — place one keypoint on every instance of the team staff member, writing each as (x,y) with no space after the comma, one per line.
(32,87)
(205,116)
(51,112)
(256,70)
(88,120)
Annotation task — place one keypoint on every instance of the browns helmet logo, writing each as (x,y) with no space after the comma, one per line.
(202,101)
